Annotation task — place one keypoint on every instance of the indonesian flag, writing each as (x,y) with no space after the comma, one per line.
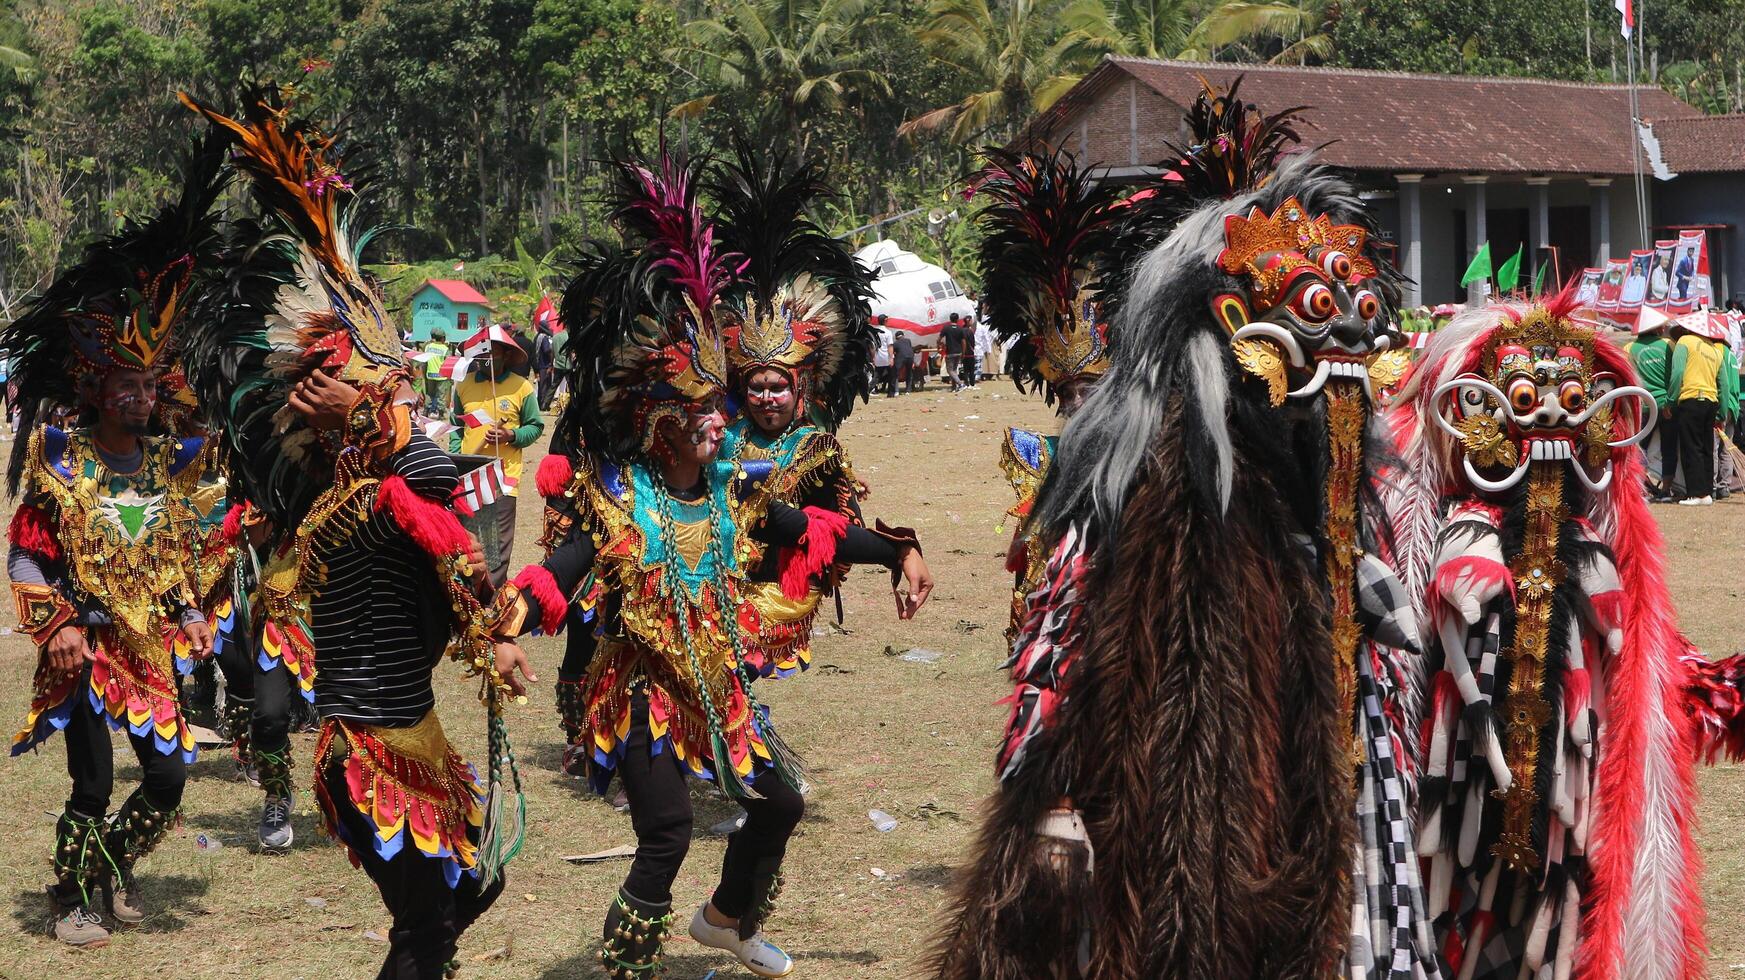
(477,417)
(545,316)
(1628,11)
(481,488)
(455,368)
(436,430)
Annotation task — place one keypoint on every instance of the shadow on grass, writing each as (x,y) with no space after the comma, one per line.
(171,901)
(241,828)
(694,966)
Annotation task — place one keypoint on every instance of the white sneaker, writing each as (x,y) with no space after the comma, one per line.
(759,955)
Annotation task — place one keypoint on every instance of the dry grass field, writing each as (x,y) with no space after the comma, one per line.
(878,731)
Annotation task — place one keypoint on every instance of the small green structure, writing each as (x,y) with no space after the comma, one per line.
(457,308)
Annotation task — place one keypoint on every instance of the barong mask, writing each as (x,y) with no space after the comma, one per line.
(1309,313)
(1537,392)
(799,301)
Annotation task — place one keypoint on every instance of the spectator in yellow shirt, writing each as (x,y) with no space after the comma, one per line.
(1695,384)
(496,413)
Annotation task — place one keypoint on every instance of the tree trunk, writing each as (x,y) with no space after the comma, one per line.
(484,182)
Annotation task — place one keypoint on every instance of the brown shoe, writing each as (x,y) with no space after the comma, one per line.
(124,900)
(77,925)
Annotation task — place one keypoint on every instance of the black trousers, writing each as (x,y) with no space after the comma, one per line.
(269,693)
(1695,418)
(429,916)
(1668,431)
(660,812)
(91,762)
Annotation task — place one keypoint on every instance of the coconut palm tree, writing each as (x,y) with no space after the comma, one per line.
(798,57)
(1134,28)
(1022,55)
(1301,28)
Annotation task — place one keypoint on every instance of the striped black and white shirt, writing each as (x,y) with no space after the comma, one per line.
(381,619)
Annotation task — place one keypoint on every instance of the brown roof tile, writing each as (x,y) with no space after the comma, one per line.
(1401,122)
(1702,144)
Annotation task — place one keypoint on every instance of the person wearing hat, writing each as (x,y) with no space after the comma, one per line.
(496,413)
(1695,384)
(436,385)
(1651,355)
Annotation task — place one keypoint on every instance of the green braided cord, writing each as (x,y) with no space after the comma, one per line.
(93,832)
(497,847)
(725,775)
(275,767)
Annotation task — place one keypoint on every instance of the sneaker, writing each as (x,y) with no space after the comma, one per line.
(248,773)
(1705,501)
(77,925)
(126,903)
(575,761)
(758,954)
(275,830)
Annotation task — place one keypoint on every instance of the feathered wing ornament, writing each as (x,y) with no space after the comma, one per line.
(124,305)
(1047,230)
(801,303)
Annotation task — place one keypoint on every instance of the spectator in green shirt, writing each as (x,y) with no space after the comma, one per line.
(1651,355)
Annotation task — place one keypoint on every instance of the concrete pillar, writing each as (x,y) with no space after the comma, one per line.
(1539,230)
(1600,217)
(1476,233)
(1412,236)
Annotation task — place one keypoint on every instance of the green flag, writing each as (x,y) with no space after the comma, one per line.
(1509,276)
(1539,279)
(1480,267)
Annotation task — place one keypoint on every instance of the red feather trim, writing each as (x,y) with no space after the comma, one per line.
(434,527)
(232,531)
(1717,706)
(1577,691)
(33,531)
(1646,771)
(815,552)
(539,583)
(555,473)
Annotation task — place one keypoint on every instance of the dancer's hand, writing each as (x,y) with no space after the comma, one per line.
(66,652)
(475,557)
(511,659)
(322,400)
(917,581)
(199,639)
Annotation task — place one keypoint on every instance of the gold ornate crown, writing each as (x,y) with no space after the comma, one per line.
(1078,343)
(796,336)
(1268,247)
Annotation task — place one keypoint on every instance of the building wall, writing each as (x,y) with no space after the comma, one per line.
(430,309)
(1710,199)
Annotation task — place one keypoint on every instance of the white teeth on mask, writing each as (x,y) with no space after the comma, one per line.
(1536,450)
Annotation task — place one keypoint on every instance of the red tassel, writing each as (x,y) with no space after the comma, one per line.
(815,552)
(538,582)
(554,476)
(1577,691)
(434,527)
(232,531)
(32,531)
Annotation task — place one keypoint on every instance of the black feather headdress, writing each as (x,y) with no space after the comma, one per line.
(1049,227)
(1231,148)
(642,320)
(125,305)
(802,302)
(295,299)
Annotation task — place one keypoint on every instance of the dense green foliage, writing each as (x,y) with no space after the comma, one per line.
(485,122)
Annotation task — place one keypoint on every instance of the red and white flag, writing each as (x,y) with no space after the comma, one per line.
(455,368)
(477,417)
(545,316)
(1627,9)
(436,430)
(481,488)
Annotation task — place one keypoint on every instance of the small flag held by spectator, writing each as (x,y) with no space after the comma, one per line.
(481,487)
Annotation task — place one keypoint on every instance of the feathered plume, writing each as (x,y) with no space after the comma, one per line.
(802,302)
(1049,228)
(1231,148)
(293,300)
(642,320)
(124,305)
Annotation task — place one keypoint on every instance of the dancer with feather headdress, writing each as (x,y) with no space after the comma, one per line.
(305,370)
(105,553)
(1215,792)
(662,538)
(799,336)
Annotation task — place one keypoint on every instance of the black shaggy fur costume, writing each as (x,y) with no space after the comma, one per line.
(1201,736)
